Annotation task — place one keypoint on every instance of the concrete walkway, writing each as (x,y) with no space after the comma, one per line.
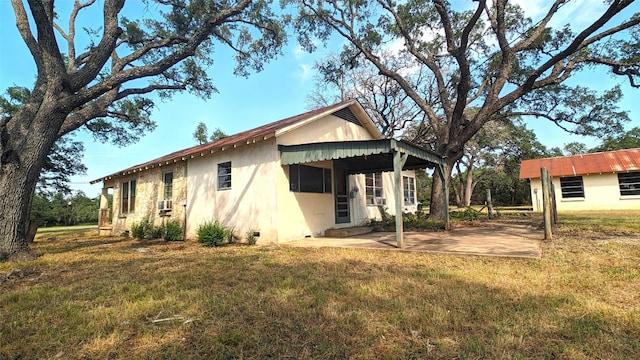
(489,239)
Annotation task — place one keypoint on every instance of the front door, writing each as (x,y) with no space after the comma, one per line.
(341,196)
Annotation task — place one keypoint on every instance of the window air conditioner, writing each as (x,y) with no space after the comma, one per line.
(164,205)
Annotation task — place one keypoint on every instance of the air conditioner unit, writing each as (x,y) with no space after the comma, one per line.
(164,205)
(380,201)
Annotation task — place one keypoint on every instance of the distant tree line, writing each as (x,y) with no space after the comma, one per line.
(59,209)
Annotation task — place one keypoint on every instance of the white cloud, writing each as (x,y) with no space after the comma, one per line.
(580,14)
(532,8)
(576,13)
(299,52)
(303,73)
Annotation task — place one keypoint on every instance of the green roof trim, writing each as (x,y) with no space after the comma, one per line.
(304,153)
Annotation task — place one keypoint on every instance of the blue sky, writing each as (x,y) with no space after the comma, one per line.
(279,91)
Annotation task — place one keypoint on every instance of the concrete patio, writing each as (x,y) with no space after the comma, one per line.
(487,239)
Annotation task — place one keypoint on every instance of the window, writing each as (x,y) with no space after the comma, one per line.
(373,188)
(629,183)
(224,176)
(409,185)
(128,197)
(572,187)
(167,179)
(310,179)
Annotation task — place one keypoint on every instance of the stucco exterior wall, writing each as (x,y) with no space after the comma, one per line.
(250,202)
(601,192)
(364,212)
(149,190)
(329,128)
(303,214)
(310,214)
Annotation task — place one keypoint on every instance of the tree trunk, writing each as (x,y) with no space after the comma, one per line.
(32,229)
(25,141)
(457,191)
(468,188)
(436,208)
(15,193)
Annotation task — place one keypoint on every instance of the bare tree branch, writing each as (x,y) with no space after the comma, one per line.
(22,23)
(102,52)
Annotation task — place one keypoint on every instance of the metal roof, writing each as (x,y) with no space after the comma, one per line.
(362,155)
(252,136)
(584,164)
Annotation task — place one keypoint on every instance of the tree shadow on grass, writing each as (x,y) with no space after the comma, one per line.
(306,304)
(55,245)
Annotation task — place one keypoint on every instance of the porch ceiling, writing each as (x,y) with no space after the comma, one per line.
(361,156)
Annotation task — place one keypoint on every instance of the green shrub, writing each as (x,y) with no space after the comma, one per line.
(251,237)
(468,214)
(156,232)
(230,235)
(142,230)
(173,231)
(410,222)
(212,233)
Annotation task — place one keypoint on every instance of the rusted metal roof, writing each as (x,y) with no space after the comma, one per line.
(244,138)
(584,164)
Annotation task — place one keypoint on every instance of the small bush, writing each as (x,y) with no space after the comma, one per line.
(251,237)
(212,233)
(410,222)
(156,232)
(468,214)
(230,235)
(142,230)
(173,231)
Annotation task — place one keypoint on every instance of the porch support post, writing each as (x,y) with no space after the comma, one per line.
(398,162)
(103,211)
(104,198)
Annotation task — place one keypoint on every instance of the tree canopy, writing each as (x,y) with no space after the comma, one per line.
(627,140)
(63,161)
(201,134)
(447,58)
(101,79)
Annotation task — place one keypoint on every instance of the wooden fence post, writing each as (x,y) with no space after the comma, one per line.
(489,205)
(546,203)
(554,208)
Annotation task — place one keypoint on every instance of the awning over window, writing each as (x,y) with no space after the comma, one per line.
(361,156)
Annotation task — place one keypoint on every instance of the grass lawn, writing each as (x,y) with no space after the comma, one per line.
(119,298)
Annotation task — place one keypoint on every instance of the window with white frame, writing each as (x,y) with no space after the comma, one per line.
(167,179)
(629,183)
(224,175)
(128,197)
(572,187)
(373,188)
(409,185)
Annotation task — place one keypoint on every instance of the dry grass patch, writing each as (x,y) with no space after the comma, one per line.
(601,225)
(91,297)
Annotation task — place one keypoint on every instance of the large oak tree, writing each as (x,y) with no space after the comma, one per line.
(101,81)
(489,57)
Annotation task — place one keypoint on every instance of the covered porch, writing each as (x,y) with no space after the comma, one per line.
(369,156)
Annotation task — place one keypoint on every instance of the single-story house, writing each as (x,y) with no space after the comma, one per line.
(295,178)
(597,181)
